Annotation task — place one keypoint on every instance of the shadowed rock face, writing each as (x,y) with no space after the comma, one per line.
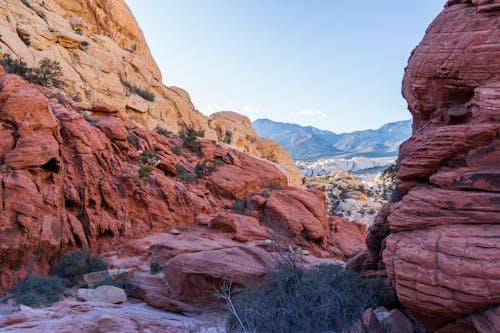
(443,250)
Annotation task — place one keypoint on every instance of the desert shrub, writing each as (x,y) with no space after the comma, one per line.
(326,298)
(273,186)
(154,268)
(164,132)
(60,98)
(137,182)
(204,168)
(48,73)
(183,175)
(75,264)
(76,98)
(176,150)
(15,66)
(144,93)
(150,158)
(239,206)
(133,140)
(89,119)
(190,136)
(145,171)
(38,291)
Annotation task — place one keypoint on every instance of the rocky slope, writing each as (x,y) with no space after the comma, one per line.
(440,242)
(104,57)
(310,144)
(99,46)
(351,198)
(236,130)
(72,178)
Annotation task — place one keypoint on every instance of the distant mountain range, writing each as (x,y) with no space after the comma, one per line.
(307,143)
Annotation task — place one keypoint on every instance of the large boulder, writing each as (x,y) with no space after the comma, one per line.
(295,212)
(192,267)
(103,294)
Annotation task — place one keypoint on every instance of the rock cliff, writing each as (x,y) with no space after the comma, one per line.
(104,57)
(440,239)
(103,54)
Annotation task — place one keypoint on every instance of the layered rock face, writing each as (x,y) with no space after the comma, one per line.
(236,130)
(104,57)
(71,179)
(442,253)
(101,49)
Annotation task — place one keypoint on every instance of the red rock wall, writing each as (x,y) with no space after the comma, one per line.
(67,182)
(443,251)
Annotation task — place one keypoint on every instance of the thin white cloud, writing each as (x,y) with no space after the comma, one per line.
(217,108)
(250,111)
(317,114)
(247,110)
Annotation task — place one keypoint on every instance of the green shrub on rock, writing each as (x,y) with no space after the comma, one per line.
(150,158)
(38,291)
(155,268)
(189,137)
(48,73)
(75,264)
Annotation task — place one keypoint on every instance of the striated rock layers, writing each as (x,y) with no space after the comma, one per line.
(236,130)
(102,52)
(104,57)
(442,252)
(69,180)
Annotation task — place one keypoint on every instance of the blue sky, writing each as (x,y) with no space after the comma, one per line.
(333,64)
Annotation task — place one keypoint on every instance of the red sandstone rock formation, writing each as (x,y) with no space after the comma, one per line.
(348,237)
(442,253)
(68,181)
(236,130)
(104,57)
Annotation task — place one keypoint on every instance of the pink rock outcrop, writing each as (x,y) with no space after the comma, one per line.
(71,316)
(348,237)
(442,253)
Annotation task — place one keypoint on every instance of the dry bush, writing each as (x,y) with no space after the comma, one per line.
(293,299)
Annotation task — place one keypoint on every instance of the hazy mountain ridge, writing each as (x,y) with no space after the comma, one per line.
(310,143)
